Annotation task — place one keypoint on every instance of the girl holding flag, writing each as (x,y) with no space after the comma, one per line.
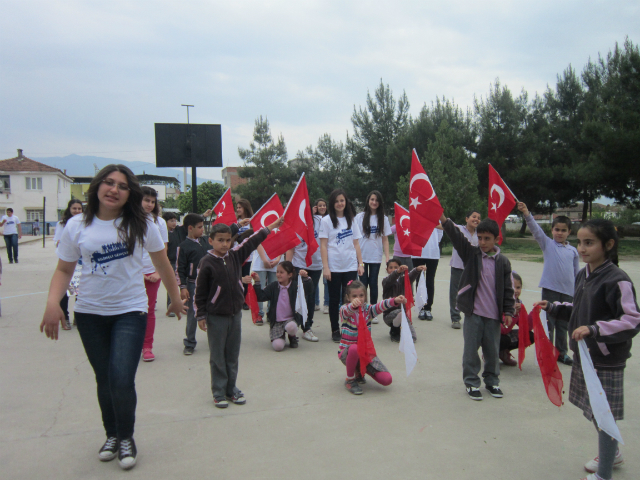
(605,315)
(356,314)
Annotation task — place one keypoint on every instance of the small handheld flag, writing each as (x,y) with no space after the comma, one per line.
(224,209)
(406,344)
(301,302)
(501,200)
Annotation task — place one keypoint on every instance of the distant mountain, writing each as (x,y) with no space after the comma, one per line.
(83,166)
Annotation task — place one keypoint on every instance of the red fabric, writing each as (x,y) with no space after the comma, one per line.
(501,200)
(523,334)
(252,301)
(278,242)
(298,218)
(152,296)
(408,294)
(403,224)
(224,209)
(424,208)
(547,360)
(366,350)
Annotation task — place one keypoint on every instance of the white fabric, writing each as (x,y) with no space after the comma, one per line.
(300,250)
(371,247)
(432,247)
(406,344)
(597,396)
(341,251)
(111,281)
(10,228)
(456,261)
(421,291)
(147,264)
(301,302)
(58,233)
(257,265)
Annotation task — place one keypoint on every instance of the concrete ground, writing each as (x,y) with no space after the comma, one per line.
(299,421)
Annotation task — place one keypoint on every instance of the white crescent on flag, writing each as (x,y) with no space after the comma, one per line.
(500,191)
(423,176)
(402,219)
(267,215)
(303,205)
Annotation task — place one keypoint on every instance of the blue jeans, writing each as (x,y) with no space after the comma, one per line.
(370,280)
(326,293)
(11,241)
(113,345)
(192,323)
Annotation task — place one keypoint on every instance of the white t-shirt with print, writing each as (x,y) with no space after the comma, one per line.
(371,247)
(11,227)
(147,264)
(341,252)
(299,259)
(111,281)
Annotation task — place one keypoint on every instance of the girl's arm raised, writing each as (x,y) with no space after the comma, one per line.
(53,313)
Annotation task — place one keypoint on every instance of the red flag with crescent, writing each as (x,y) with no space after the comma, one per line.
(298,218)
(424,207)
(366,349)
(547,356)
(501,200)
(278,242)
(224,209)
(403,232)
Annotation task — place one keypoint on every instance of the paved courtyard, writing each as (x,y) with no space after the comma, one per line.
(299,421)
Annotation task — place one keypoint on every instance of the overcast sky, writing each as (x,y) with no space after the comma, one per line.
(92,78)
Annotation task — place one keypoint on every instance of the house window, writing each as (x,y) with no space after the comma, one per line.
(5,184)
(34,183)
(33,215)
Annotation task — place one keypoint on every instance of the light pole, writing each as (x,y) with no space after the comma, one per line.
(184,182)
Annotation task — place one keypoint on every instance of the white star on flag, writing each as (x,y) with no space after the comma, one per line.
(494,207)
(406,233)
(415,202)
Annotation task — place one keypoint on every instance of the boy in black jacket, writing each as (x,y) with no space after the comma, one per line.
(218,300)
(189,253)
(485,296)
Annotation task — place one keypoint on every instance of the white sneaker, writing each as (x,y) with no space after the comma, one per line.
(325,309)
(592,465)
(310,336)
(316,308)
(375,320)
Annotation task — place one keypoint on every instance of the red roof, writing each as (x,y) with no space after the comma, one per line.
(24,164)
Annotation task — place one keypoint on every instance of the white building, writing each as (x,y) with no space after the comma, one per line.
(25,182)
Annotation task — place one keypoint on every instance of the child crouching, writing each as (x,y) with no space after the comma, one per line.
(282,297)
(356,295)
(509,335)
(392,286)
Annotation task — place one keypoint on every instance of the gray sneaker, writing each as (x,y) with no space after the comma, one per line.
(456,325)
(188,350)
(352,386)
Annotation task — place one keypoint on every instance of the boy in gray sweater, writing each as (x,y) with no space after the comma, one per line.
(485,296)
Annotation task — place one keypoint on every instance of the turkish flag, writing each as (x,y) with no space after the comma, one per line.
(298,218)
(276,243)
(403,232)
(547,356)
(224,209)
(252,300)
(501,200)
(424,208)
(408,294)
(366,350)
(524,339)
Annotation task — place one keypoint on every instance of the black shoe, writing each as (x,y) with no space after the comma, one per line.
(336,336)
(495,392)
(566,359)
(188,350)
(10,261)
(293,341)
(423,315)
(128,454)
(395,337)
(474,393)
(245,306)
(109,450)
(16,260)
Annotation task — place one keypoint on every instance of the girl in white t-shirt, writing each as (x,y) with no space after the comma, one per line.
(151,278)
(320,209)
(74,207)
(340,249)
(111,312)
(375,229)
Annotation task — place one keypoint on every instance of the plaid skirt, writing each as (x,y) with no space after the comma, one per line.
(374,367)
(612,384)
(278,331)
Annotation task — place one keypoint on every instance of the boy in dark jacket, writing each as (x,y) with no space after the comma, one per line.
(485,296)
(218,300)
(189,253)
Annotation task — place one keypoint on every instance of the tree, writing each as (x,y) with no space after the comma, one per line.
(265,167)
(208,194)
(376,128)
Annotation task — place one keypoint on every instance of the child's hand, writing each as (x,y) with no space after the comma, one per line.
(244,222)
(153,277)
(276,224)
(207,213)
(518,305)
(422,268)
(303,273)
(203,325)
(508,321)
(184,294)
(178,308)
(274,263)
(267,263)
(402,269)
(580,333)
(326,274)
(543,304)
(53,317)
(523,208)
(314,210)
(246,279)
(355,303)
(400,300)
(360,270)
(256,277)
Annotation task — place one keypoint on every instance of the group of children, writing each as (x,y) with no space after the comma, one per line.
(212,278)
